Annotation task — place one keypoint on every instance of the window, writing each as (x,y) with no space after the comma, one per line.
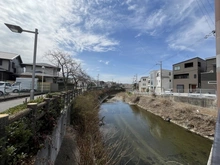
(144,84)
(144,79)
(194,75)
(0,61)
(180,88)
(181,76)
(170,80)
(158,74)
(176,67)
(169,73)
(188,65)
(199,64)
(149,81)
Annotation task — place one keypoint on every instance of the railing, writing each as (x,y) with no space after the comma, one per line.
(57,105)
(200,93)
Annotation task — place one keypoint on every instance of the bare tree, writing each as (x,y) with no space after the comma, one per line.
(67,64)
(80,75)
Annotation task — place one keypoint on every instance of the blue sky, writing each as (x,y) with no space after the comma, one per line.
(115,39)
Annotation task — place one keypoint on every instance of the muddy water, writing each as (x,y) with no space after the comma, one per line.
(150,140)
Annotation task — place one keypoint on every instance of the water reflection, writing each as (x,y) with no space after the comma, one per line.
(152,140)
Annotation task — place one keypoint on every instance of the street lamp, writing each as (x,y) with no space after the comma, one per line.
(18,29)
(42,84)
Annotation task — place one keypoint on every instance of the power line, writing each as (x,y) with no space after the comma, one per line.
(210,5)
(208,35)
(203,14)
(207,12)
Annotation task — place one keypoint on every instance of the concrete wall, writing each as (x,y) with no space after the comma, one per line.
(203,102)
(48,154)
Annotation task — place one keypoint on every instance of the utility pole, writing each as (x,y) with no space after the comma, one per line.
(215,159)
(136,81)
(160,76)
(98,80)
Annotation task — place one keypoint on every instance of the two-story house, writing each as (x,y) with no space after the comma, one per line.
(187,75)
(48,72)
(144,84)
(166,81)
(153,80)
(10,66)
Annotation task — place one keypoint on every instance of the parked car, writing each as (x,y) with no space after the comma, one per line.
(5,88)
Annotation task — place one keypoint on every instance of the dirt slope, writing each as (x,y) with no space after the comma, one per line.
(194,118)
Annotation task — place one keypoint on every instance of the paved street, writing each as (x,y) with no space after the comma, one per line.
(11,103)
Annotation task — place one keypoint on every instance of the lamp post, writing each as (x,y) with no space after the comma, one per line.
(18,29)
(42,84)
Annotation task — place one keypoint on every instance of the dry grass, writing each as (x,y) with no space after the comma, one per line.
(92,146)
(195,118)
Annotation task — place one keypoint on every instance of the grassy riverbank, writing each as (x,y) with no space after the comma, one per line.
(194,118)
(84,144)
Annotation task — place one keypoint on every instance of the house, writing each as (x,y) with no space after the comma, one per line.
(153,80)
(187,75)
(48,72)
(166,81)
(10,66)
(208,78)
(144,84)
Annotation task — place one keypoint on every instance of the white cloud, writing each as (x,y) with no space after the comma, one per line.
(104,62)
(189,35)
(61,25)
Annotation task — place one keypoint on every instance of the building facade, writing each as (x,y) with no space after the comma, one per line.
(10,66)
(166,81)
(144,84)
(48,72)
(187,75)
(208,78)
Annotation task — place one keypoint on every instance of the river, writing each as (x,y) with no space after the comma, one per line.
(148,139)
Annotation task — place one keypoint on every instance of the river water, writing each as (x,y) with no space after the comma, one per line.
(148,139)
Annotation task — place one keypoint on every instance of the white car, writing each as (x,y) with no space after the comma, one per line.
(5,88)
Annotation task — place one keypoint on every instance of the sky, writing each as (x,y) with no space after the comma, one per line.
(114,40)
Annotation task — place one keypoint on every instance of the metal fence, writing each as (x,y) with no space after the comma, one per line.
(201,93)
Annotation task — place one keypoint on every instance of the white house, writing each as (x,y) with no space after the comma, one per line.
(166,81)
(144,84)
(153,80)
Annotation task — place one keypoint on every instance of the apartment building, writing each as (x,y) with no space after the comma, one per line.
(144,84)
(187,75)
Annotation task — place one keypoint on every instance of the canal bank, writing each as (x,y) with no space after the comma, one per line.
(147,139)
(196,119)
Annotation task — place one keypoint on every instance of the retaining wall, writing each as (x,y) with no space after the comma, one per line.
(203,102)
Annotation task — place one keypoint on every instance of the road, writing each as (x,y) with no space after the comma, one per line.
(11,103)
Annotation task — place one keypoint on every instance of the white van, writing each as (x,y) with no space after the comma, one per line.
(23,84)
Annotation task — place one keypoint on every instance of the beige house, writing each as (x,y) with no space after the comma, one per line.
(48,72)
(144,84)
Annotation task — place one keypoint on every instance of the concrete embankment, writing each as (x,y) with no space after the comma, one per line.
(193,118)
